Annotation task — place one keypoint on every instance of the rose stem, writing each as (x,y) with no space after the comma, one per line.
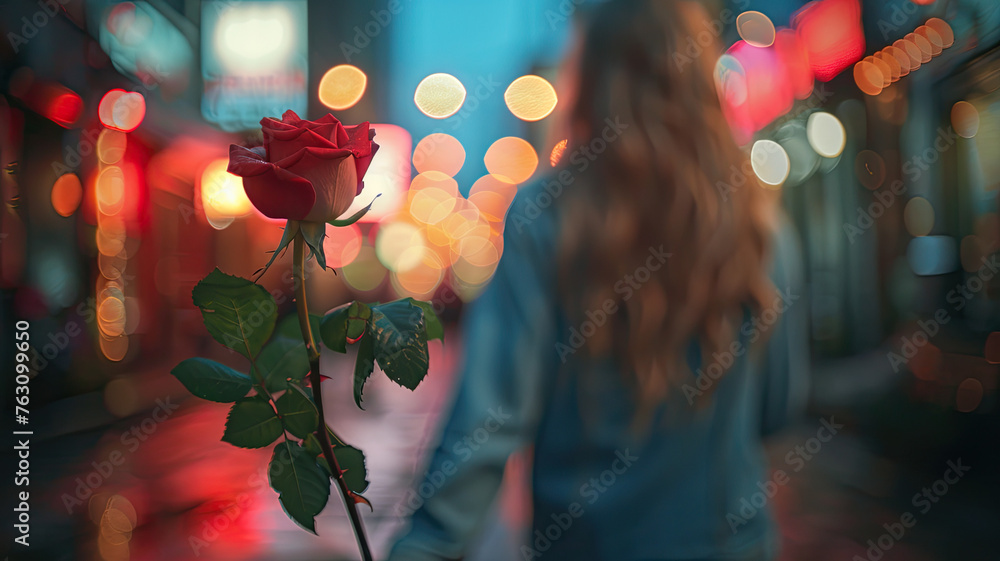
(298,268)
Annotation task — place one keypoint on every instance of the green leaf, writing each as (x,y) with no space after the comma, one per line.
(282,360)
(303,489)
(435,330)
(363,367)
(210,380)
(314,233)
(298,412)
(358,314)
(356,216)
(311,445)
(400,342)
(350,459)
(252,423)
(333,330)
(289,327)
(238,313)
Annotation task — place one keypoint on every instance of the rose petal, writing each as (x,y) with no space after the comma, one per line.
(282,144)
(362,166)
(290,117)
(359,139)
(275,192)
(334,181)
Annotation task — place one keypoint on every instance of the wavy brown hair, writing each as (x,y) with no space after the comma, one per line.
(663,182)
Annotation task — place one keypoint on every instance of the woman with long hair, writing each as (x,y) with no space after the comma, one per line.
(644,330)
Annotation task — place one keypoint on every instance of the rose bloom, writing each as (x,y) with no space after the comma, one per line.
(306,170)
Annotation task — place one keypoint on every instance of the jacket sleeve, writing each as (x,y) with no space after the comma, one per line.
(509,343)
(785,366)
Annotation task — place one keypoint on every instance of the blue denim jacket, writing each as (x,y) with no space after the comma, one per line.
(601,491)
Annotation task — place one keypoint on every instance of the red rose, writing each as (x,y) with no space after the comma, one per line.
(306,170)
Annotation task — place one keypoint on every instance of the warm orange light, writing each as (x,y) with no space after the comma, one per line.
(901,59)
(121,110)
(67,192)
(755,28)
(400,246)
(923,45)
(342,245)
(496,184)
(435,179)
(893,65)
(342,86)
(222,193)
(432,205)
(531,98)
(423,279)
(388,176)
(111,145)
(944,30)
(918,215)
(911,50)
(883,69)
(965,119)
(513,158)
(868,77)
(439,96)
(110,190)
(439,152)
(557,152)
(932,37)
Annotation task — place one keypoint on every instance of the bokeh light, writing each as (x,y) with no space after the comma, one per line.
(918,216)
(439,152)
(932,255)
(111,145)
(902,59)
(868,77)
(121,110)
(969,395)
(67,192)
(965,119)
(400,246)
(755,28)
(222,193)
(770,162)
(342,245)
(530,98)
(943,30)
(432,205)
(870,169)
(912,52)
(992,350)
(557,152)
(439,95)
(342,86)
(110,190)
(366,272)
(423,279)
(433,180)
(932,37)
(926,51)
(254,39)
(826,134)
(513,158)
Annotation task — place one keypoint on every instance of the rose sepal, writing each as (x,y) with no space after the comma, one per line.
(340,223)
(314,233)
(291,229)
